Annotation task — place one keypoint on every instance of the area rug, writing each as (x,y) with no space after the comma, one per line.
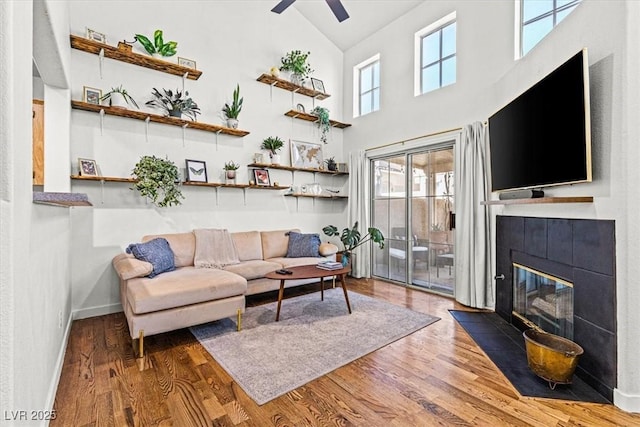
(505,346)
(313,337)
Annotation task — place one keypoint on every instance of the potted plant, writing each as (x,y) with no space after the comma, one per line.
(331,164)
(158,180)
(232,111)
(351,239)
(230,169)
(158,47)
(174,104)
(324,123)
(295,62)
(119,97)
(273,144)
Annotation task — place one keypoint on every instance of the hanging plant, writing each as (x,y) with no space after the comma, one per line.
(324,124)
(158,180)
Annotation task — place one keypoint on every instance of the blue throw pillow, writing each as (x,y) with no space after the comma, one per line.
(157,252)
(303,245)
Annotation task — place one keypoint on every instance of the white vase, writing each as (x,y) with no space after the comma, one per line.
(116,99)
(232,123)
(275,159)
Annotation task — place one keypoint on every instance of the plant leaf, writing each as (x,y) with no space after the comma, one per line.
(146,43)
(157,38)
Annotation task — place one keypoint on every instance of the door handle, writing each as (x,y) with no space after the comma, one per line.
(499,277)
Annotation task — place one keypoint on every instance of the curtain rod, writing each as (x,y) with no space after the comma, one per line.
(413,139)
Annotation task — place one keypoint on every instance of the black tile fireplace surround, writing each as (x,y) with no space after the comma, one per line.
(581,251)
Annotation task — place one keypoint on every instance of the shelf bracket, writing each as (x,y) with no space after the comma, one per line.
(217,133)
(146,128)
(271,91)
(313,100)
(101,121)
(217,188)
(184,127)
(244,191)
(102,191)
(100,61)
(184,78)
(293,94)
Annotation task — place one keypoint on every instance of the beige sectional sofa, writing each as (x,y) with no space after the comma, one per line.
(190,296)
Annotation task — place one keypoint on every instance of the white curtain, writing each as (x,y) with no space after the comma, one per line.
(474,284)
(358,210)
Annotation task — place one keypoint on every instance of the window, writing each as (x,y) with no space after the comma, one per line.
(435,49)
(366,76)
(538,17)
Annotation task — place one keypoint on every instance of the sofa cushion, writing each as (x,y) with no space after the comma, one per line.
(294,262)
(183,246)
(253,269)
(327,249)
(275,243)
(128,267)
(183,286)
(157,252)
(248,244)
(303,245)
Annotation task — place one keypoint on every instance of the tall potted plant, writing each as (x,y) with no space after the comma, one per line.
(351,239)
(158,180)
(174,103)
(273,144)
(295,62)
(232,111)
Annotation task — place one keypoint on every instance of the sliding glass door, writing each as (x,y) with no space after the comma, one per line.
(413,205)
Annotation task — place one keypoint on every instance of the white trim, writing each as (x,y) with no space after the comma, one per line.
(426,141)
(57,373)
(417,39)
(85,313)
(356,82)
(517,31)
(626,402)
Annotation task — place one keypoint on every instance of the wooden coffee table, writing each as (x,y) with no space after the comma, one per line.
(310,272)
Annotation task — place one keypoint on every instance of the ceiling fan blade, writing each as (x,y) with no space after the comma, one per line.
(338,9)
(280,7)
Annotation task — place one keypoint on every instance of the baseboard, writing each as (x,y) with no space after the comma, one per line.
(55,379)
(626,402)
(85,313)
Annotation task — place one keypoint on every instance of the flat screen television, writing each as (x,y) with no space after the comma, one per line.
(543,137)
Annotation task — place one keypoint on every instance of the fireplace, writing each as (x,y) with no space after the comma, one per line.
(543,301)
(559,274)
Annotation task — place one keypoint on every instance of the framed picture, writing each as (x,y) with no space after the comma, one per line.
(317,85)
(91,95)
(196,171)
(189,63)
(96,36)
(262,177)
(306,155)
(87,167)
(300,108)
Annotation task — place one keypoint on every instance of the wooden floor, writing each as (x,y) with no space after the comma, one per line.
(435,376)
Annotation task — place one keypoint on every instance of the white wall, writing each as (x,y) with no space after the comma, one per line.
(231,42)
(488,78)
(34,239)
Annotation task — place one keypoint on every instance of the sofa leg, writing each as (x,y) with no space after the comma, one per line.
(140,344)
(239,320)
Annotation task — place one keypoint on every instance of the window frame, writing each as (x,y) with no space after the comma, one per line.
(357,70)
(438,25)
(555,10)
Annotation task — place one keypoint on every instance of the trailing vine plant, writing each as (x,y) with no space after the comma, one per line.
(158,180)
(324,124)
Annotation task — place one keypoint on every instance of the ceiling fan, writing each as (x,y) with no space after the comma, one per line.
(336,7)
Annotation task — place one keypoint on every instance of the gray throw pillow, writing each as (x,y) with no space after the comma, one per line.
(303,245)
(157,252)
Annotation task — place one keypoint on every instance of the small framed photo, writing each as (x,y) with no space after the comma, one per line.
(262,177)
(87,167)
(317,85)
(300,108)
(196,171)
(91,95)
(189,63)
(96,36)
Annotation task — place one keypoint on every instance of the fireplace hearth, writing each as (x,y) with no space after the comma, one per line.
(574,293)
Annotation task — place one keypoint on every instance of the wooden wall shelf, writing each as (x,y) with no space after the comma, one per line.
(316,196)
(102,178)
(140,115)
(540,200)
(146,61)
(294,169)
(311,118)
(224,185)
(287,85)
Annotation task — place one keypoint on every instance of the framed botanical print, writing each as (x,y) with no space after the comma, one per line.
(196,171)
(306,155)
